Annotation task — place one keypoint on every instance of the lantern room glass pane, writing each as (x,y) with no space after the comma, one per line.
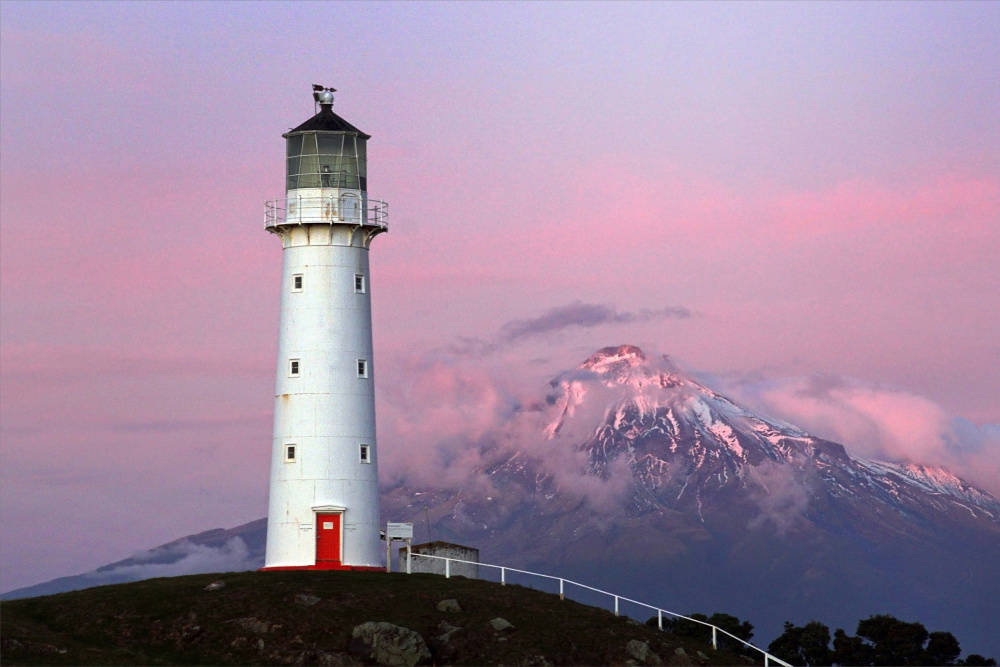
(330,144)
(362,158)
(349,145)
(309,144)
(294,145)
(329,166)
(309,171)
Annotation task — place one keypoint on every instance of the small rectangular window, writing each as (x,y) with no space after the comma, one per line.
(362,368)
(293,368)
(297,282)
(365,454)
(289,453)
(359,283)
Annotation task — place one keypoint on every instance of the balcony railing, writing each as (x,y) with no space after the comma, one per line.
(318,209)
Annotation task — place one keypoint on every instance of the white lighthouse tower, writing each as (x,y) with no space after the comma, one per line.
(323,510)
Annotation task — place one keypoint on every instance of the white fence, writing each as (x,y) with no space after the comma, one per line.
(768,658)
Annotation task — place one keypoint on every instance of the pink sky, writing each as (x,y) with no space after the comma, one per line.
(818,185)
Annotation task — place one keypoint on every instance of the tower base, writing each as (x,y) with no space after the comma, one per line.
(324,566)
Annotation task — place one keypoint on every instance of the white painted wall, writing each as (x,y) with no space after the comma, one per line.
(328,412)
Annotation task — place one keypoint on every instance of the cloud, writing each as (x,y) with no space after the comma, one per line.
(178,559)
(554,320)
(584,315)
(878,422)
(781,498)
(451,419)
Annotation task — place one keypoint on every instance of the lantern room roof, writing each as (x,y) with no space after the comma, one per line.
(326,121)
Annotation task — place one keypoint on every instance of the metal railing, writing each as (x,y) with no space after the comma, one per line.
(768,658)
(310,209)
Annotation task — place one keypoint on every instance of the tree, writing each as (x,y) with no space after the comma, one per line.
(703,633)
(849,650)
(732,625)
(806,645)
(942,649)
(894,642)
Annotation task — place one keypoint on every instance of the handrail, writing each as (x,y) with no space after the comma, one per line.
(768,658)
(323,208)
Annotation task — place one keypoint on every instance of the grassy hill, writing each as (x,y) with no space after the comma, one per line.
(275,618)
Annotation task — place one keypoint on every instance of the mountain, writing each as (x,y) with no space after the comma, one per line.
(216,550)
(633,477)
(636,478)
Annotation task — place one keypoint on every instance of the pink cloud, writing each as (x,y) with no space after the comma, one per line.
(881,423)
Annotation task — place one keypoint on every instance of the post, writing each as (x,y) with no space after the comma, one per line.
(561,597)
(715,643)
(503,576)
(616,605)
(766,661)
(388,554)
(447,569)
(659,618)
(408,555)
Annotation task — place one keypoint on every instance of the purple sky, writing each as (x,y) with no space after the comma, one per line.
(800,201)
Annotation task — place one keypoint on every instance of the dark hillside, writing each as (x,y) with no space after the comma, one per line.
(266,618)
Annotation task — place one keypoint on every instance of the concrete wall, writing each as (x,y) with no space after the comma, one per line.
(445,550)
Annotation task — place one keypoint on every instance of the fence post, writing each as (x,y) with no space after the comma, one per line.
(447,568)
(766,661)
(408,557)
(659,618)
(561,597)
(503,576)
(715,643)
(616,605)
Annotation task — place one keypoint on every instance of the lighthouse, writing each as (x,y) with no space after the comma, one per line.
(323,510)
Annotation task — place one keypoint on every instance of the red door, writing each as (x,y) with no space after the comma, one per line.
(328,538)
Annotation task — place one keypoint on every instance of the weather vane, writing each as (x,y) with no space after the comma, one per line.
(322,95)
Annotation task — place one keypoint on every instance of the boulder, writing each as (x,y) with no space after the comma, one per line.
(449,605)
(215,585)
(502,624)
(447,630)
(680,658)
(389,644)
(642,654)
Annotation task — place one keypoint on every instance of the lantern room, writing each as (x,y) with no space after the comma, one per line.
(326,152)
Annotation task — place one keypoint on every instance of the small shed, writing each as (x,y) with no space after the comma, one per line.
(445,550)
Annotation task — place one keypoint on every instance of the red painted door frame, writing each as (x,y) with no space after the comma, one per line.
(328,538)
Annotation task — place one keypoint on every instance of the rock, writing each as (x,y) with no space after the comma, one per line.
(260,645)
(680,659)
(536,661)
(702,656)
(251,624)
(642,653)
(334,659)
(389,644)
(502,624)
(306,599)
(215,585)
(449,605)
(501,639)
(447,630)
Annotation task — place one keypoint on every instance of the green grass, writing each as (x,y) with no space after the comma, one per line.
(174,621)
